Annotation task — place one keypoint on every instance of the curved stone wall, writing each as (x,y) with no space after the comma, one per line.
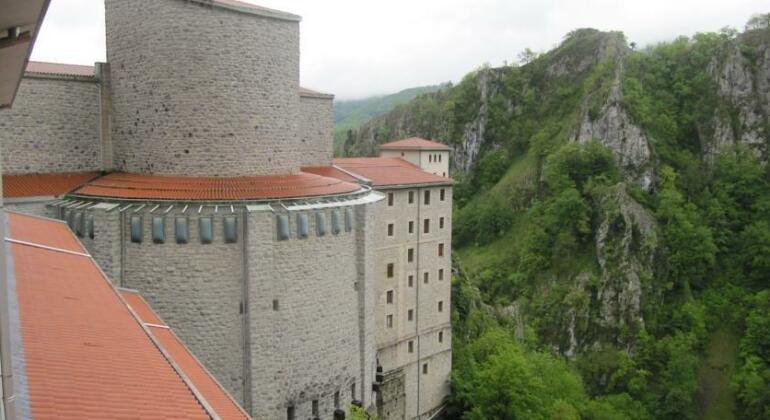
(202,90)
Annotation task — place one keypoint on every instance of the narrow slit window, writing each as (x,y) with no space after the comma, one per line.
(441,274)
(290,413)
(389,297)
(411,197)
(158,229)
(441,250)
(282,222)
(337,399)
(315,407)
(410,346)
(441,336)
(441,223)
(71,219)
(424,368)
(411,226)
(390,270)
(302,228)
(90,225)
(79,223)
(336,222)
(348,220)
(442,194)
(410,280)
(206,231)
(390,199)
(231,229)
(389,321)
(136,229)
(426,226)
(410,255)
(441,306)
(425,277)
(410,315)
(426,199)
(181,230)
(320,223)
(390,229)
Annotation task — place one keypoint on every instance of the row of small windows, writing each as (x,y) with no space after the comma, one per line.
(410,197)
(410,278)
(338,222)
(434,157)
(315,406)
(182,229)
(410,226)
(410,343)
(81,223)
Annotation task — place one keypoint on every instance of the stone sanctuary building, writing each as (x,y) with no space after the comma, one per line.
(199,175)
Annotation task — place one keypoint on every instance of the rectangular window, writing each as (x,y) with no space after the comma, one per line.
(441,250)
(410,346)
(206,229)
(441,223)
(390,229)
(290,413)
(276,305)
(441,274)
(410,315)
(389,296)
(302,226)
(411,226)
(136,229)
(79,224)
(320,223)
(411,280)
(158,229)
(441,336)
(181,230)
(390,270)
(353,390)
(348,220)
(337,399)
(336,224)
(231,229)
(315,407)
(389,321)
(424,368)
(425,277)
(411,197)
(390,199)
(282,221)
(410,255)
(442,195)
(427,197)
(90,225)
(441,306)
(426,226)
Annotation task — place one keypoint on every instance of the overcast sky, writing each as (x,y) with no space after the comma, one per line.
(357,48)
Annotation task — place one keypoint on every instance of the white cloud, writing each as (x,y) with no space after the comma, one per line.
(356,48)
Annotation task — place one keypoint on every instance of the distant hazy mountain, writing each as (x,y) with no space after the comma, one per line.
(349,115)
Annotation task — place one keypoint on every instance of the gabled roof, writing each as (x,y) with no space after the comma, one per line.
(40,185)
(219,400)
(60,69)
(414,143)
(78,351)
(389,172)
(151,187)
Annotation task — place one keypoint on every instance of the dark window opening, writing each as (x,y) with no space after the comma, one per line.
(390,270)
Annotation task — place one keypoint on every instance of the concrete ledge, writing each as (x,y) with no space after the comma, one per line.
(249,9)
(58,76)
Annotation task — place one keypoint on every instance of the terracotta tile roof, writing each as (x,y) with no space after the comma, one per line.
(84,353)
(415,143)
(36,185)
(219,400)
(136,186)
(59,69)
(383,172)
(330,172)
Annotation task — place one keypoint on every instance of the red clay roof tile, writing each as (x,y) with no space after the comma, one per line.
(36,185)
(415,143)
(330,172)
(136,186)
(85,354)
(384,172)
(212,392)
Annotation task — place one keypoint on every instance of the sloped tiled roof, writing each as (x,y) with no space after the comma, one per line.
(389,172)
(151,187)
(61,69)
(37,185)
(414,143)
(330,172)
(79,351)
(219,400)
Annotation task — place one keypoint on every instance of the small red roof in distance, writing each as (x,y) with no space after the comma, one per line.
(36,185)
(212,391)
(383,172)
(414,143)
(85,354)
(151,187)
(59,68)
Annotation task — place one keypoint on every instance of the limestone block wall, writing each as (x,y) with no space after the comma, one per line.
(316,129)
(201,90)
(53,126)
(305,316)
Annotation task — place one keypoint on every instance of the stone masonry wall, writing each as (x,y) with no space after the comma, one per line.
(199,90)
(304,317)
(316,130)
(53,126)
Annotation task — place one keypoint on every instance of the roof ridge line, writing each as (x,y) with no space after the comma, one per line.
(46,247)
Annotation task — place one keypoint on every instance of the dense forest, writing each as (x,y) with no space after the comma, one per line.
(611,227)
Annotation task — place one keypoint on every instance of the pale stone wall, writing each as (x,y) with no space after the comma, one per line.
(316,129)
(35,208)
(200,90)
(432,161)
(53,126)
(422,298)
